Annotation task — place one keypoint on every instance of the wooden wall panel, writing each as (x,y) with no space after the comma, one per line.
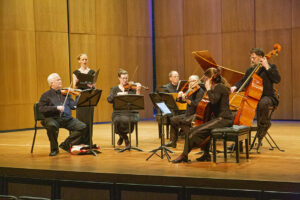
(210,42)
(110,57)
(202,16)
(111,17)
(237,15)
(16,15)
(52,57)
(265,40)
(295,72)
(277,15)
(50,15)
(82,16)
(168,17)
(139,56)
(295,13)
(83,43)
(139,18)
(168,57)
(19,82)
(235,49)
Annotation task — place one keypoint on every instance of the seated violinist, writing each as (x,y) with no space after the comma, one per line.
(172,86)
(192,97)
(218,93)
(269,74)
(57,112)
(121,118)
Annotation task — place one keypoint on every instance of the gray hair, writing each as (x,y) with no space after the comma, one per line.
(194,77)
(51,77)
(172,72)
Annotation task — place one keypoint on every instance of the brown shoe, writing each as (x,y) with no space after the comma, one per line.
(181,158)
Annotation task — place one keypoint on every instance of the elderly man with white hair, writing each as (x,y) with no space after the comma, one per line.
(184,121)
(57,114)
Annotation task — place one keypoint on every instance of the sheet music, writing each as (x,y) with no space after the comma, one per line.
(163,107)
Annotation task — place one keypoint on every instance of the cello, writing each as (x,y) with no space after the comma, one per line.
(246,111)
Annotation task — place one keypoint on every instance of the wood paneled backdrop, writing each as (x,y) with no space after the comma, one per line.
(38,37)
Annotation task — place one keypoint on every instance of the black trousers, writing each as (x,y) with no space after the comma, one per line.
(121,122)
(262,113)
(197,135)
(177,122)
(86,115)
(73,125)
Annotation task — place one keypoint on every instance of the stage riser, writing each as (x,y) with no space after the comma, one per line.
(73,190)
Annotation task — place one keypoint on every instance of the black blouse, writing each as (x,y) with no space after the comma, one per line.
(219,98)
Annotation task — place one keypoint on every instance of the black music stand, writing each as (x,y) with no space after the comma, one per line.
(129,102)
(90,98)
(163,108)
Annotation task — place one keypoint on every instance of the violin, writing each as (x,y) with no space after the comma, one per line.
(67,91)
(133,86)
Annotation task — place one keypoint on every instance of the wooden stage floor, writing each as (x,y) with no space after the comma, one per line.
(273,170)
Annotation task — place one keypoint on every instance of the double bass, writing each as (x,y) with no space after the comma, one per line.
(246,111)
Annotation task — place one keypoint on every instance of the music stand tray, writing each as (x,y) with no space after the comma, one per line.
(166,112)
(129,102)
(90,98)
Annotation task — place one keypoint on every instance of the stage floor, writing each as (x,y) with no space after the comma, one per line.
(268,166)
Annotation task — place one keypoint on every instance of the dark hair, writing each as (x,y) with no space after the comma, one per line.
(121,72)
(215,74)
(257,51)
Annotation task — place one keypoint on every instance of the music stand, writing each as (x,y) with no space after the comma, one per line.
(90,98)
(129,102)
(163,108)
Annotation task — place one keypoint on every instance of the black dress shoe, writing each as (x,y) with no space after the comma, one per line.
(120,141)
(63,146)
(180,159)
(204,158)
(53,153)
(171,144)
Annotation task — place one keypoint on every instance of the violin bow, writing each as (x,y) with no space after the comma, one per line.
(66,97)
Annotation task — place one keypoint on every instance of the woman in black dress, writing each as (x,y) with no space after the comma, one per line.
(218,93)
(121,118)
(84,114)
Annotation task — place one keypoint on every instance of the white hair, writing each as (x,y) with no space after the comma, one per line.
(172,72)
(51,77)
(194,77)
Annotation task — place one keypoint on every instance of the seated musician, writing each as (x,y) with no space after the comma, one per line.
(57,114)
(184,121)
(269,74)
(218,93)
(172,86)
(121,118)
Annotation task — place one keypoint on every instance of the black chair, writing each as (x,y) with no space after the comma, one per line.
(7,197)
(268,137)
(236,134)
(38,116)
(113,134)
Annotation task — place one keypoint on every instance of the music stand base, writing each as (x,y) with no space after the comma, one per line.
(164,151)
(129,148)
(93,152)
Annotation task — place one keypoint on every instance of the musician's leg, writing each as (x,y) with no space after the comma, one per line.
(263,121)
(76,128)
(175,123)
(52,127)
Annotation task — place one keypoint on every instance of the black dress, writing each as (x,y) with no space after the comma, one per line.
(121,118)
(85,114)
